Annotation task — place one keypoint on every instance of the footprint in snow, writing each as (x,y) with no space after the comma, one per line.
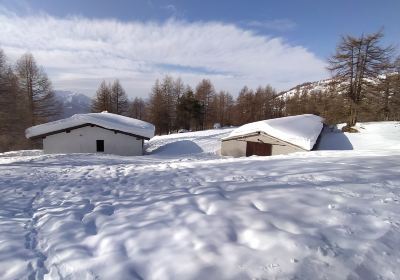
(90,227)
(107,210)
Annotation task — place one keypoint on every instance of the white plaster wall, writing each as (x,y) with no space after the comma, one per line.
(284,149)
(83,140)
(233,148)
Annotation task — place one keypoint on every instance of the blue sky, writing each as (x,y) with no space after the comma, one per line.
(231,42)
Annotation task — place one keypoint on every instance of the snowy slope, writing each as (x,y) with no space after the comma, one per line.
(309,215)
(208,141)
(309,87)
(73,103)
(372,136)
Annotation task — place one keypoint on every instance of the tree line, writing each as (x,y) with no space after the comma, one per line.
(365,86)
(172,105)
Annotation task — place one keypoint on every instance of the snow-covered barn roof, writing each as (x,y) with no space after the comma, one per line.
(301,130)
(104,119)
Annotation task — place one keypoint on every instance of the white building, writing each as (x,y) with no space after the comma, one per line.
(273,137)
(93,132)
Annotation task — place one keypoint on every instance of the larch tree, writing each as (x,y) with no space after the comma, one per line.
(177,91)
(170,98)
(266,104)
(357,62)
(4,95)
(9,122)
(205,95)
(224,108)
(118,99)
(386,94)
(137,109)
(158,109)
(245,106)
(37,91)
(102,101)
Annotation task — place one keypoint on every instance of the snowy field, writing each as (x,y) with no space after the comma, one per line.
(183,212)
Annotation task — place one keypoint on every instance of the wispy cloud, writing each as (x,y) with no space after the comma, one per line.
(171,8)
(78,53)
(275,24)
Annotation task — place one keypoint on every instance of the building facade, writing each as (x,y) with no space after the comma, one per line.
(93,133)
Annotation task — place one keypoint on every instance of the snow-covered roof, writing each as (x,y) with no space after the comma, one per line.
(104,119)
(301,130)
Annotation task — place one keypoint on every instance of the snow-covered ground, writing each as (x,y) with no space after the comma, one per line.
(183,212)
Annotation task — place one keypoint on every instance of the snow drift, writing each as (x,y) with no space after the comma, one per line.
(310,215)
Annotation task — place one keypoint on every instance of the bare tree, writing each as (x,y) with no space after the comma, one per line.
(224,108)
(168,89)
(386,94)
(37,90)
(357,62)
(118,99)
(102,100)
(245,106)
(8,101)
(158,109)
(4,94)
(137,109)
(205,94)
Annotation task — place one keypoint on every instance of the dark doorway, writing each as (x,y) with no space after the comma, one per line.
(259,149)
(100,145)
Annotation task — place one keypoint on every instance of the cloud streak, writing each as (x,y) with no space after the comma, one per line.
(78,53)
(276,24)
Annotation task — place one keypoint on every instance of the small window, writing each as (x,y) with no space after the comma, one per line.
(100,145)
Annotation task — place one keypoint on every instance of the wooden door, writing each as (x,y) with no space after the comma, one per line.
(259,149)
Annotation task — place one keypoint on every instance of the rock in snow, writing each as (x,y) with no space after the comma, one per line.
(106,120)
(195,215)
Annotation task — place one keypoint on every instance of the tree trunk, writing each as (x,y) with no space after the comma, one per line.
(353,115)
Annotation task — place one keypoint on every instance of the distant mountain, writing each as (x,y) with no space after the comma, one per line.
(73,103)
(310,87)
(322,86)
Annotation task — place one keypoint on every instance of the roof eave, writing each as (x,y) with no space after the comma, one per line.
(266,134)
(84,125)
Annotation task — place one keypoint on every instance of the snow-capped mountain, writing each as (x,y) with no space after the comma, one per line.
(73,103)
(324,85)
(310,87)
